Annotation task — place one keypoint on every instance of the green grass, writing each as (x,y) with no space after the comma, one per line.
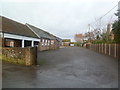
(11,60)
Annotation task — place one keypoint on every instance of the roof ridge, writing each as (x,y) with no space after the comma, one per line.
(40,32)
(36,27)
(32,30)
(12,20)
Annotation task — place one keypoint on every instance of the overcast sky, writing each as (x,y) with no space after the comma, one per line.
(63,18)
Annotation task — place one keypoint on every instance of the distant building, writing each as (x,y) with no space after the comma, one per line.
(111,36)
(66,42)
(78,37)
(108,29)
(72,44)
(109,32)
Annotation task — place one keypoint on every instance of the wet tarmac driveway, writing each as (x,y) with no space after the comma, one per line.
(72,67)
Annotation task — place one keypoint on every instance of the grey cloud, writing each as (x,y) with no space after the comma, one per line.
(64,18)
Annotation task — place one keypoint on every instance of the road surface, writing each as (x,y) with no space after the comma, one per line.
(71,67)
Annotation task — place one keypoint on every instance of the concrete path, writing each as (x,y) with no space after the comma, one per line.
(72,67)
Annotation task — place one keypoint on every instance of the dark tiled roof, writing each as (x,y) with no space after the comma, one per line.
(13,27)
(40,32)
(52,37)
(59,39)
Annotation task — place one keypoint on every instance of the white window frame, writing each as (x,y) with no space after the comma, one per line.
(48,42)
(42,42)
(11,44)
(52,41)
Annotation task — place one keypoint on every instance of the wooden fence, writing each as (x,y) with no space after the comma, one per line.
(107,49)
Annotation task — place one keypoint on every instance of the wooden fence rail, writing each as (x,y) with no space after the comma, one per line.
(107,49)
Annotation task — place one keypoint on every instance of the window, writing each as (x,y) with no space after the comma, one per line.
(52,41)
(1,34)
(48,42)
(11,44)
(42,42)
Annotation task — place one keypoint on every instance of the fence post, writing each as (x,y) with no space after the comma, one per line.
(115,50)
(102,47)
(109,50)
(90,46)
(99,47)
(105,48)
(94,47)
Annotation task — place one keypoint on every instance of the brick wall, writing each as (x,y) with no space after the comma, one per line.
(17,55)
(52,46)
(43,48)
(57,44)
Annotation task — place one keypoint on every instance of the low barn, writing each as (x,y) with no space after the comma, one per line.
(58,42)
(44,38)
(15,34)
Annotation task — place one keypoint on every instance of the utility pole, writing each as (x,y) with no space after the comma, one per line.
(89,31)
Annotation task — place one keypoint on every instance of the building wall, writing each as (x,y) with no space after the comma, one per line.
(57,44)
(52,44)
(44,44)
(65,43)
